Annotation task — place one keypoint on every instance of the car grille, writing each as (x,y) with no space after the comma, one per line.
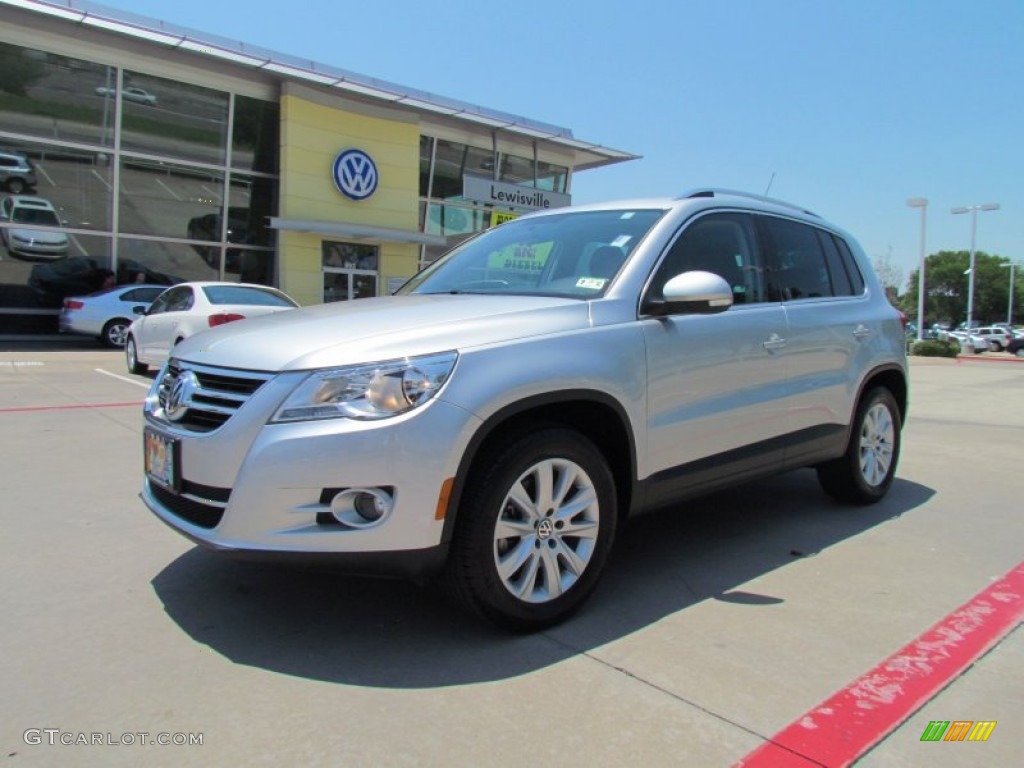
(217,394)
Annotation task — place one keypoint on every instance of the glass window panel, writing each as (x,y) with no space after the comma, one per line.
(44,284)
(163,263)
(51,96)
(174,119)
(252,200)
(455,220)
(349,255)
(552,177)
(165,199)
(453,161)
(78,182)
(426,147)
(255,135)
(517,170)
(248,265)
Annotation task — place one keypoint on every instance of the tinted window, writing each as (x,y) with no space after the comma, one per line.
(144,295)
(722,243)
(856,278)
(841,285)
(795,261)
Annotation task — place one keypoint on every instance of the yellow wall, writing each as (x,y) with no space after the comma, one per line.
(312,136)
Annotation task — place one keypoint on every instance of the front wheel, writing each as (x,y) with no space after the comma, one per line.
(131,357)
(114,332)
(864,473)
(534,529)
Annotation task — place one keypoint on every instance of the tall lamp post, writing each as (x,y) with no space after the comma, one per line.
(1009,307)
(922,203)
(973,210)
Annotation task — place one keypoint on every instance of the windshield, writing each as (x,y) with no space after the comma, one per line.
(575,254)
(41,216)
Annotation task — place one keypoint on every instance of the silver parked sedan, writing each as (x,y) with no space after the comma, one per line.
(107,314)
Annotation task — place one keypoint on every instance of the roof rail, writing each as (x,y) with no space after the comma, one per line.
(715,191)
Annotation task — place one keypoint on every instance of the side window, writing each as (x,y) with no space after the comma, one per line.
(722,243)
(174,300)
(840,277)
(795,262)
(856,278)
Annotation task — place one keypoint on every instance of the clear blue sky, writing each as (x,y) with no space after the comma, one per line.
(853,105)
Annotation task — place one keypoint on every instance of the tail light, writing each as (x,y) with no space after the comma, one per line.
(903,319)
(72,304)
(224,317)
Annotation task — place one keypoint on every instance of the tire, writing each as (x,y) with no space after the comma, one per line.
(16,186)
(864,473)
(512,559)
(132,358)
(114,333)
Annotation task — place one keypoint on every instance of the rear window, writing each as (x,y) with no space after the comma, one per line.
(245,294)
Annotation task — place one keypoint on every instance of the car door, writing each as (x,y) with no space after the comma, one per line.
(830,329)
(716,382)
(161,323)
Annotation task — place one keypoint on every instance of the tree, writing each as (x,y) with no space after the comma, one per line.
(889,275)
(946,288)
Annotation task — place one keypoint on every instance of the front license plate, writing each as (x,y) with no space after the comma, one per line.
(161,459)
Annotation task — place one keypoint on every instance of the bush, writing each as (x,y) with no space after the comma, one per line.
(935,348)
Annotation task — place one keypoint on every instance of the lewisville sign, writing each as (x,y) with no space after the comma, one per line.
(511,195)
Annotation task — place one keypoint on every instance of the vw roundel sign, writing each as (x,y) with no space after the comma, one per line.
(355,174)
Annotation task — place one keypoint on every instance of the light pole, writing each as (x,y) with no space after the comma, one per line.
(973,210)
(1009,307)
(922,203)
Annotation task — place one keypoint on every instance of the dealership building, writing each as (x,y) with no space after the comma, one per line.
(163,154)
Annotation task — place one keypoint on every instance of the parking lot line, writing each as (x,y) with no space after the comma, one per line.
(844,727)
(143,384)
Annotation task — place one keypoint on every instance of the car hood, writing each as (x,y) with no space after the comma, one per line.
(383,328)
(40,236)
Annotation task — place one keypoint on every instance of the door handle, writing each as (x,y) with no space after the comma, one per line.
(774,342)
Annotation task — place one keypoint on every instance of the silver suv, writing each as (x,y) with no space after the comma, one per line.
(497,420)
(16,172)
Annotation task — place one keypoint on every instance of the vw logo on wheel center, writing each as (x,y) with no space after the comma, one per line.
(355,174)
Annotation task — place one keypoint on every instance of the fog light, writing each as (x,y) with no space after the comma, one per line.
(362,507)
(370,506)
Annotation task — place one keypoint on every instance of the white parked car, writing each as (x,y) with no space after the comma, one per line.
(107,314)
(962,338)
(186,309)
(34,212)
(130,93)
(996,336)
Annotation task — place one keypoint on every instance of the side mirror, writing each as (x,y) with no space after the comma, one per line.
(698,293)
(139,310)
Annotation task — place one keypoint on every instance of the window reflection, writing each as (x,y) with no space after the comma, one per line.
(159,198)
(255,136)
(455,160)
(175,119)
(47,95)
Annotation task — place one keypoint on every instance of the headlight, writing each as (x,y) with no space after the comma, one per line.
(368,392)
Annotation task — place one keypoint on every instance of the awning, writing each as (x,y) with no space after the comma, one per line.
(356,231)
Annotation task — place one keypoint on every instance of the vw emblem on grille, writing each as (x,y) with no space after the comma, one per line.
(355,174)
(179,398)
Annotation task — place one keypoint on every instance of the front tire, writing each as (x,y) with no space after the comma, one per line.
(864,473)
(131,357)
(534,529)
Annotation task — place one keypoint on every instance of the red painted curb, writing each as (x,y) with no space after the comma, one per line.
(28,408)
(842,728)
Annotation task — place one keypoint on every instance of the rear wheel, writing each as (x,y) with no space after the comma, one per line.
(114,332)
(534,529)
(16,186)
(864,473)
(132,358)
